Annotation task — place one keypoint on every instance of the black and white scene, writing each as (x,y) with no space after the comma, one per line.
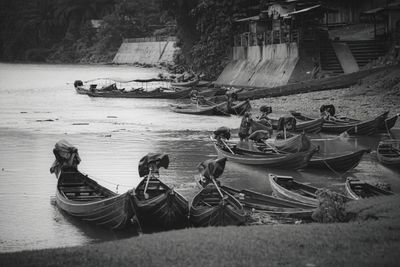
(199,133)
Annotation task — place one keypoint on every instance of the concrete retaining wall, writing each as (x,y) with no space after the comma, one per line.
(145,52)
(260,66)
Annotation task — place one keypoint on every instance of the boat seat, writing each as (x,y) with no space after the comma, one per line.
(86,197)
(79,189)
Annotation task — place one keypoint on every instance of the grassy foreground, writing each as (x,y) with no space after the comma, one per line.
(372,238)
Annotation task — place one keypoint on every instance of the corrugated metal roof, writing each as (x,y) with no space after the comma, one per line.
(254,18)
(302,10)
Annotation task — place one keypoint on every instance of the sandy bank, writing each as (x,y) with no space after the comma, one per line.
(373,95)
(371,239)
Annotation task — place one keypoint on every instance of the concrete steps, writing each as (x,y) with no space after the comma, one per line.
(366,50)
(329,60)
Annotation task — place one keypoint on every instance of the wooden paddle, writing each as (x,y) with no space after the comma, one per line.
(230,150)
(270,146)
(216,185)
(146,196)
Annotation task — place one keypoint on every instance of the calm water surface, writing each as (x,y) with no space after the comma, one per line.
(38,107)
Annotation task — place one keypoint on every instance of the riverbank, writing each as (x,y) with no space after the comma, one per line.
(373,95)
(370,239)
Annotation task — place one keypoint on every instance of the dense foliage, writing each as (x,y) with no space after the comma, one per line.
(206,29)
(61,30)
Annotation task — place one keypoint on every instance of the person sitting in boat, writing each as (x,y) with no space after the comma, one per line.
(263,119)
(194,95)
(285,124)
(328,112)
(245,125)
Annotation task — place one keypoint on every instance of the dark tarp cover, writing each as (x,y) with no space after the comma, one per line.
(66,156)
(260,135)
(212,168)
(161,160)
(223,132)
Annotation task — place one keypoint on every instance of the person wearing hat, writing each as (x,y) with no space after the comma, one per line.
(244,130)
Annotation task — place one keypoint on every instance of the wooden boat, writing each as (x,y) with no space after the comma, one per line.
(157,205)
(162,93)
(309,126)
(287,188)
(368,127)
(213,206)
(388,123)
(297,143)
(388,152)
(356,189)
(384,126)
(185,84)
(139,88)
(83,198)
(208,208)
(193,109)
(270,204)
(239,108)
(340,163)
(271,159)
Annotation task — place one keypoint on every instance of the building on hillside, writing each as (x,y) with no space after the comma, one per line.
(289,38)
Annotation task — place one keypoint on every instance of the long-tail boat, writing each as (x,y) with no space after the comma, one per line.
(287,188)
(270,159)
(356,189)
(309,126)
(194,109)
(337,163)
(190,83)
(353,127)
(157,205)
(83,198)
(213,206)
(269,204)
(136,88)
(388,152)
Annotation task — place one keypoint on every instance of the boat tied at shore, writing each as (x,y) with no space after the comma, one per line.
(83,198)
(158,206)
(336,124)
(135,88)
(270,158)
(356,189)
(212,205)
(388,152)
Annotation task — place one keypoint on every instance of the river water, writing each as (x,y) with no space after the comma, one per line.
(38,107)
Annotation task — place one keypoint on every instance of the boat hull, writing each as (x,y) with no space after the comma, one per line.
(286,161)
(220,212)
(112,211)
(141,94)
(270,204)
(285,193)
(341,163)
(356,190)
(388,152)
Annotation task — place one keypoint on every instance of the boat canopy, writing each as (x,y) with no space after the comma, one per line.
(66,156)
(212,168)
(160,160)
